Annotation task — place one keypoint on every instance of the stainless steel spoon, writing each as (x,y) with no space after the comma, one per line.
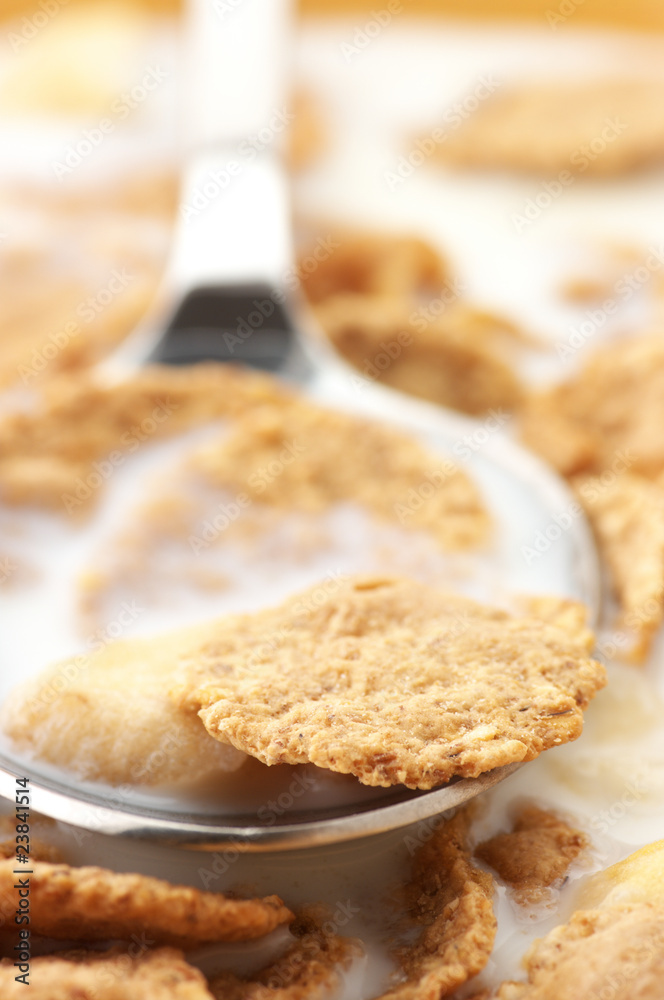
(231,262)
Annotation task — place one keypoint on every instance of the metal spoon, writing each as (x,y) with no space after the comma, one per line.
(233,250)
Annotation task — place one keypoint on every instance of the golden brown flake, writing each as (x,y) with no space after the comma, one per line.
(373,263)
(608,417)
(535,854)
(569,445)
(457,360)
(451,899)
(309,970)
(597,128)
(93,904)
(388,306)
(602,428)
(77,715)
(566,614)
(61,332)
(322,457)
(162,974)
(113,270)
(391,681)
(617,953)
(627,514)
(301,457)
(47,454)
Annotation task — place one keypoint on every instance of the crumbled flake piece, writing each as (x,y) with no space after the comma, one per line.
(535,854)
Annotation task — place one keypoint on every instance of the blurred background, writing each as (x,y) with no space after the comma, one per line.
(639,13)
(91,116)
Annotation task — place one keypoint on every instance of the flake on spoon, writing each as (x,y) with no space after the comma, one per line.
(389,680)
(80,429)
(302,457)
